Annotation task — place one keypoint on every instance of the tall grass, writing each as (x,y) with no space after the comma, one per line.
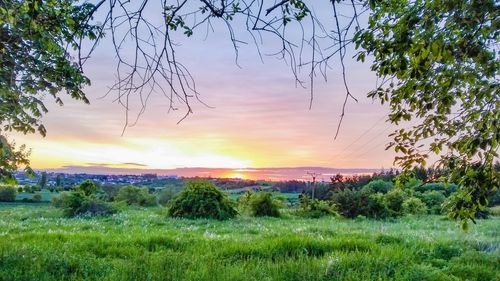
(37,243)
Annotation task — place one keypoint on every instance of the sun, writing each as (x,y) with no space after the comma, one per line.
(236,175)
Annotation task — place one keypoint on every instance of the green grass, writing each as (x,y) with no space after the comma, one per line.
(45,193)
(37,243)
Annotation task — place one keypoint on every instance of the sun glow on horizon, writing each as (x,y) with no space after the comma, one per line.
(131,153)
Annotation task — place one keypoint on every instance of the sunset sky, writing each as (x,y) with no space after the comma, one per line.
(260,118)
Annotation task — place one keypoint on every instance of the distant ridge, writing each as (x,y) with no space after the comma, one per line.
(273,173)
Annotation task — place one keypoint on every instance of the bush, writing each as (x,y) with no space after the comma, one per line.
(351,203)
(87,187)
(414,206)
(376,207)
(434,201)
(378,186)
(75,203)
(394,200)
(37,198)
(446,189)
(58,201)
(135,196)
(7,194)
(264,204)
(314,208)
(95,207)
(111,191)
(166,195)
(201,199)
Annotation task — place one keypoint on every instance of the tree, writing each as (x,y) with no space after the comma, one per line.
(42,182)
(439,66)
(10,159)
(436,59)
(59,180)
(87,187)
(36,40)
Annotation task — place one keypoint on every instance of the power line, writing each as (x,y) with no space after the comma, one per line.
(353,153)
(360,136)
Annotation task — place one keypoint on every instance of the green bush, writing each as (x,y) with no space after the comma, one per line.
(351,203)
(135,196)
(7,194)
(75,203)
(58,201)
(378,186)
(37,198)
(376,207)
(110,191)
(414,206)
(394,200)
(166,195)
(264,204)
(314,208)
(201,199)
(87,187)
(434,201)
(446,189)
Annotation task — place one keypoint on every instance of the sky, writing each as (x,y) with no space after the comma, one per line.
(257,118)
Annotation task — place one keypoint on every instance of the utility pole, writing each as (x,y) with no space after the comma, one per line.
(313,175)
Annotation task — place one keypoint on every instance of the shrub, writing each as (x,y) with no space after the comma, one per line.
(434,201)
(58,201)
(75,203)
(110,190)
(350,203)
(394,200)
(87,187)
(166,195)
(201,199)
(414,206)
(314,208)
(446,189)
(135,196)
(264,204)
(37,198)
(378,186)
(376,207)
(95,207)
(7,194)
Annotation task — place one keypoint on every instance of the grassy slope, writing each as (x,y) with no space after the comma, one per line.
(37,244)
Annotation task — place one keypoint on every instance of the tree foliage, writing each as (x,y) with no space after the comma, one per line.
(36,60)
(438,60)
(10,159)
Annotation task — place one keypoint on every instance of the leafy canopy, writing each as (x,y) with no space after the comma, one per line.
(38,42)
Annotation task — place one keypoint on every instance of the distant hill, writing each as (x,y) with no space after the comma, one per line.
(289,173)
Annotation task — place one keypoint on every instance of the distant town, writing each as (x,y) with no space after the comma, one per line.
(52,179)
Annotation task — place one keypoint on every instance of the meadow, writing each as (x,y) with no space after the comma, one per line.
(38,243)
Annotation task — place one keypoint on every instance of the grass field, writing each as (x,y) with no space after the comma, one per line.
(45,193)
(36,243)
